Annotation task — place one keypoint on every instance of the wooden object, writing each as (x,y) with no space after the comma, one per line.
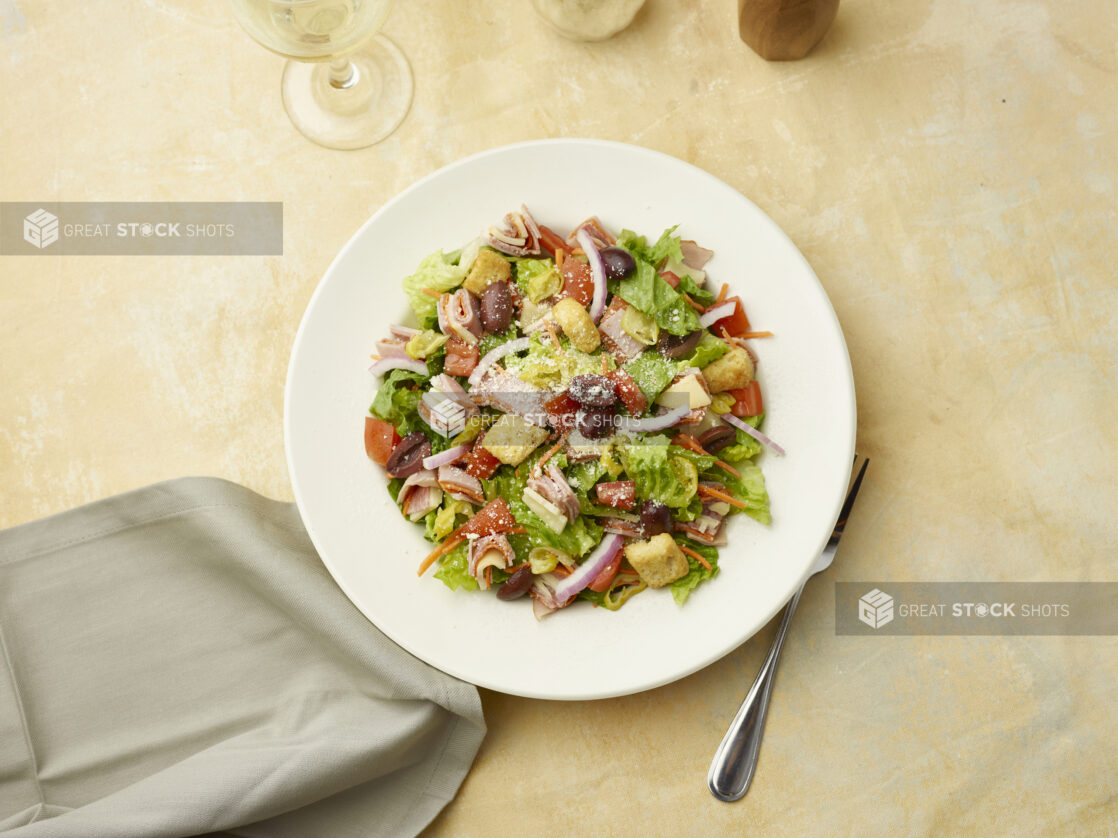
(784,30)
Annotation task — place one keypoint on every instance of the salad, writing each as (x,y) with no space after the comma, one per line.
(571,418)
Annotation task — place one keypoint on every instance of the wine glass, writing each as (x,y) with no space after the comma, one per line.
(344,86)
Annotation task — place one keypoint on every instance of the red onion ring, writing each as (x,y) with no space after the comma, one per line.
(753,432)
(653,423)
(494,355)
(446,457)
(410,364)
(584,574)
(597,274)
(713,315)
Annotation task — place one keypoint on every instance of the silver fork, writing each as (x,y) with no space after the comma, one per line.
(735,761)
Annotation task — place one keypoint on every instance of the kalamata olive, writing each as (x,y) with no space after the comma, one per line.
(595,422)
(496,307)
(656,518)
(618,263)
(516,585)
(674,346)
(407,457)
(717,438)
(591,390)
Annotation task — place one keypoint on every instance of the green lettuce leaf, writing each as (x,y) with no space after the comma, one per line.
(454,569)
(652,372)
(666,247)
(688,286)
(744,446)
(546,366)
(439,272)
(750,489)
(696,574)
(660,472)
(397,399)
(650,293)
(708,350)
(492,340)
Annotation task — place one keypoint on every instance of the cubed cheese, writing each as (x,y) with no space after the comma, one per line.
(689,391)
(512,439)
(549,513)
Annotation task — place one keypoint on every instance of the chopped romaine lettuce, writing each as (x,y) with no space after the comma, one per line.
(397,399)
(708,350)
(744,447)
(696,574)
(666,247)
(651,294)
(454,569)
(659,472)
(546,366)
(750,489)
(688,286)
(652,372)
(537,279)
(439,272)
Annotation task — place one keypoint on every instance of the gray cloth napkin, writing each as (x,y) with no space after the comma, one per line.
(177,661)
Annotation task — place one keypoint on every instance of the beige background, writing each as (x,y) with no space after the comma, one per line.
(947,167)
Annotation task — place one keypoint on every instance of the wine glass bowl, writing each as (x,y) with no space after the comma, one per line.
(344,86)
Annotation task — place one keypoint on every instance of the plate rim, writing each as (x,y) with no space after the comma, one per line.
(300,335)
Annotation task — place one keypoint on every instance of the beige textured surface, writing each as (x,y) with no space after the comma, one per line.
(948,168)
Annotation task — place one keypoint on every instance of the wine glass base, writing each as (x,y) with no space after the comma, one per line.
(360,112)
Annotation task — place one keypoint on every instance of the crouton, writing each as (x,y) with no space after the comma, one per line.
(489,267)
(576,324)
(658,561)
(512,439)
(732,371)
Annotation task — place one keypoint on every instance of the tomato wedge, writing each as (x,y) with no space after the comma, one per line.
(380,439)
(620,494)
(461,357)
(670,278)
(747,400)
(561,411)
(550,240)
(494,517)
(577,282)
(629,392)
(735,323)
(605,578)
(480,463)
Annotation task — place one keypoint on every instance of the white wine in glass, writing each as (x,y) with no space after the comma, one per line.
(344,85)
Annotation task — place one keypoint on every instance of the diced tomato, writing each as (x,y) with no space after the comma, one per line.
(461,357)
(747,400)
(550,240)
(577,282)
(481,463)
(561,411)
(670,278)
(380,439)
(620,494)
(494,517)
(629,392)
(605,578)
(736,323)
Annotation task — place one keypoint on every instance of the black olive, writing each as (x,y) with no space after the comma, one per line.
(595,422)
(656,518)
(591,390)
(717,438)
(516,585)
(496,307)
(618,263)
(407,457)
(674,346)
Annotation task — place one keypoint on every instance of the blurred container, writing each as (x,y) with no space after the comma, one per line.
(588,20)
(784,30)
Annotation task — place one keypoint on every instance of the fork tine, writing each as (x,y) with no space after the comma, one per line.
(848,504)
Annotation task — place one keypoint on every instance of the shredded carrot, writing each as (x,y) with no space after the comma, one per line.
(605,363)
(696,556)
(694,304)
(722,294)
(431,292)
(554,337)
(516,567)
(559,254)
(727,467)
(748,335)
(726,334)
(714,493)
(578,251)
(443,548)
(548,454)
(489,576)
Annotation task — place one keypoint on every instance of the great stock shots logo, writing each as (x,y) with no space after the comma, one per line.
(40,228)
(875,609)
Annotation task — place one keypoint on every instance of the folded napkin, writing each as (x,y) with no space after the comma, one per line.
(176,661)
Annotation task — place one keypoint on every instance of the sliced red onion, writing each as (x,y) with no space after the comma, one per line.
(494,355)
(584,574)
(410,364)
(446,457)
(753,432)
(653,423)
(404,332)
(712,316)
(597,274)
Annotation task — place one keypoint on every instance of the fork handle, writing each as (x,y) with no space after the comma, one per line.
(731,772)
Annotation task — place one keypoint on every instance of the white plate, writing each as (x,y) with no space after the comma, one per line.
(582,652)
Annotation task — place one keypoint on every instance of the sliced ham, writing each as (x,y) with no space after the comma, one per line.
(708,528)
(489,551)
(624,346)
(460,315)
(420,494)
(629,529)
(500,389)
(460,485)
(517,234)
(598,234)
(693,255)
(392,348)
(553,486)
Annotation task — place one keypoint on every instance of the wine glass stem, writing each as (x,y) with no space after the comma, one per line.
(343,73)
